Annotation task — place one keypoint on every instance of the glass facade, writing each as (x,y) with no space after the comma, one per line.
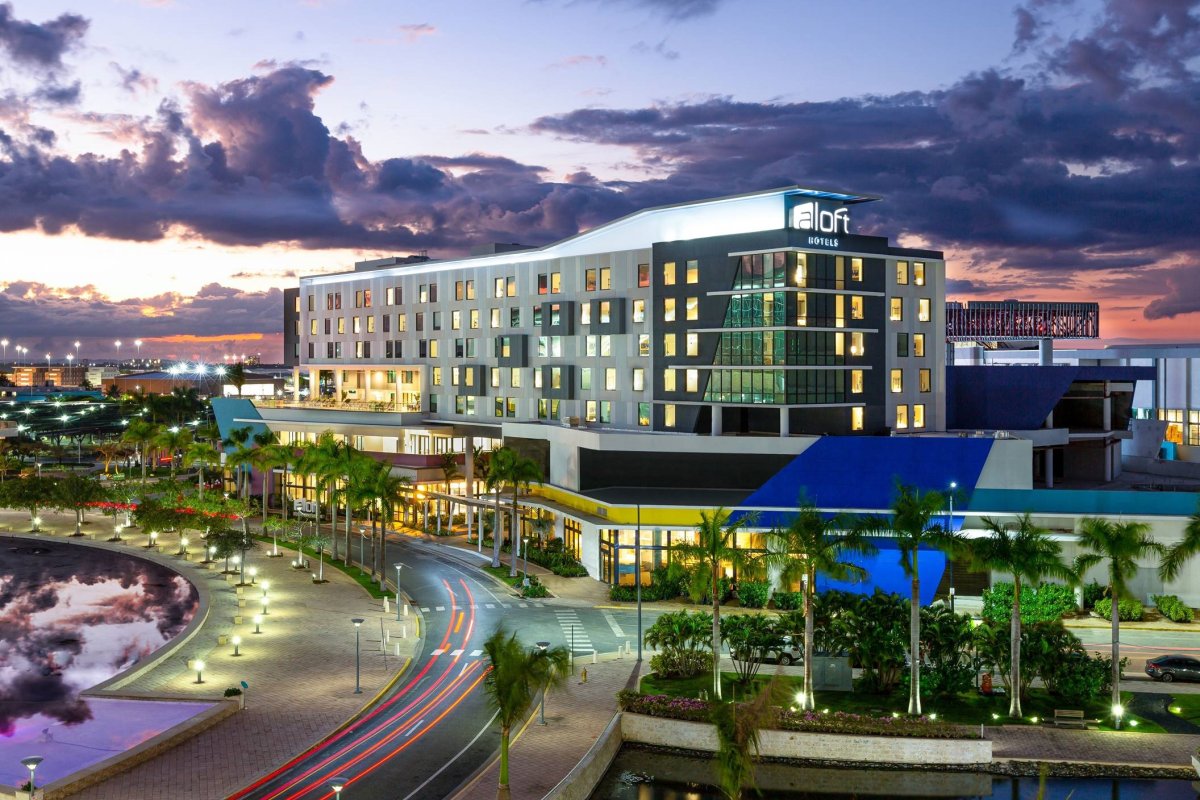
(618,552)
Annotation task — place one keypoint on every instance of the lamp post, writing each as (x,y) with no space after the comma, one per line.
(950,529)
(358,621)
(337,784)
(258,623)
(398,565)
(31,763)
(4,344)
(199,665)
(362,547)
(138,344)
(525,543)
(76,348)
(541,646)
(117,344)
(237,645)
(637,556)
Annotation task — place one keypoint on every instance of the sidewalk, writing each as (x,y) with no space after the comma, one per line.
(1024,743)
(542,755)
(300,670)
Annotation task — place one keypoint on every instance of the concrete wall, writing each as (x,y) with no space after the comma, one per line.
(581,781)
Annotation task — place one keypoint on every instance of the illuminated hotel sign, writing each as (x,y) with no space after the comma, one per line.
(812,217)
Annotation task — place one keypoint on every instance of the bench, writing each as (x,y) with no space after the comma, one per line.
(1068,719)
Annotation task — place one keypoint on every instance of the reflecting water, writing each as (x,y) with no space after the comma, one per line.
(638,774)
(72,617)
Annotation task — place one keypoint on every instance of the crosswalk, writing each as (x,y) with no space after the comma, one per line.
(574,633)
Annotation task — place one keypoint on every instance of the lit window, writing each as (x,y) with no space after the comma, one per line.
(669,273)
(555,282)
(499,287)
(643,415)
(856,307)
(693,272)
(495,375)
(919,345)
(856,381)
(856,269)
(590,411)
(455,320)
(925,380)
(510,287)
(643,276)
(856,344)
(802,308)
(585,378)
(514,378)
(918,268)
(605,312)
(901,417)
(639,310)
(668,309)
(801,270)
(589,280)
(585,313)
(668,380)
(610,379)
(606,345)
(918,417)
(668,344)
(692,380)
(923,309)
(643,345)
(341,328)
(357,328)
(693,308)
(856,418)
(692,340)
(897,380)
(902,273)
(669,415)
(639,379)
(897,309)
(605,278)
(590,345)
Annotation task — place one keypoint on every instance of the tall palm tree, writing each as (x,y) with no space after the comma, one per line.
(384,492)
(201,454)
(1180,552)
(285,457)
(141,434)
(716,546)
(1027,552)
(173,440)
(450,471)
(323,460)
(518,673)
(238,439)
(813,545)
(509,468)
(1121,544)
(913,528)
(236,375)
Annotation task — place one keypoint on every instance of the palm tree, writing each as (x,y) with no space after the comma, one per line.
(240,457)
(912,526)
(382,492)
(1121,544)
(174,440)
(141,434)
(1027,552)
(716,546)
(322,459)
(813,545)
(1183,550)
(509,468)
(516,676)
(450,471)
(201,454)
(236,375)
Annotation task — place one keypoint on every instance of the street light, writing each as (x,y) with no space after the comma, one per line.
(337,784)
(117,343)
(637,556)
(525,580)
(542,712)
(358,621)
(237,645)
(950,529)
(4,344)
(199,665)
(138,344)
(398,565)
(31,763)
(76,348)
(258,623)
(264,602)
(1118,712)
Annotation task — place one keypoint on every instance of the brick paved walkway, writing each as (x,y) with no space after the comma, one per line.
(1098,747)
(300,670)
(575,717)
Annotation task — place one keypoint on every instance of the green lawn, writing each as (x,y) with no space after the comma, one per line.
(363,578)
(1186,706)
(964,709)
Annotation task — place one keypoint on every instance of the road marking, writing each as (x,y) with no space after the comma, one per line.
(456,653)
(573,631)
(505,605)
(439,651)
(416,792)
(414,728)
(458,625)
(476,653)
(425,609)
(439,608)
(489,605)
(612,623)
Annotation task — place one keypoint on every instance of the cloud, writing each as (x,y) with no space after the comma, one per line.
(580,61)
(39,46)
(413,33)
(672,10)
(134,80)
(659,49)
(1182,297)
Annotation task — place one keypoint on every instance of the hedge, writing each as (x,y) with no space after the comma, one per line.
(1127,610)
(789,601)
(1172,608)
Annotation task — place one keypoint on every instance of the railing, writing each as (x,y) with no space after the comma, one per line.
(334,405)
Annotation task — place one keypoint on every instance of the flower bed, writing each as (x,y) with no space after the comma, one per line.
(692,710)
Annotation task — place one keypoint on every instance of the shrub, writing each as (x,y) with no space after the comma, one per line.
(557,560)
(535,589)
(622,594)
(1091,593)
(684,642)
(233,691)
(1127,610)
(1038,604)
(1082,678)
(681,663)
(946,639)
(1172,608)
(753,594)
(789,601)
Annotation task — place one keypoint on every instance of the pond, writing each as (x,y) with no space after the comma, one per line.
(642,774)
(72,617)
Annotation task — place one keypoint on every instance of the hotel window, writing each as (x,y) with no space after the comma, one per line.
(897,309)
(606,345)
(902,273)
(495,318)
(312,349)
(589,413)
(692,380)
(543,283)
(639,310)
(585,313)
(420,321)
(606,411)
(341,326)
(901,417)
(643,345)
(923,309)
(668,344)
(366,298)
(669,415)
(693,308)
(668,309)
(454,376)
(494,374)
(643,415)
(589,280)
(668,380)
(919,345)
(389,296)
(693,271)
(919,279)
(669,273)
(839,311)
(437,320)
(1193,429)
(504,346)
(802,308)
(312,326)
(925,380)
(918,419)
(610,379)
(639,379)
(474,318)
(537,378)
(459,290)
(902,345)
(358,349)
(643,276)
(358,299)
(387,323)
(433,348)
(469,377)
(423,293)
(605,312)
(856,271)
(692,344)
(555,282)
(510,287)
(455,320)
(356,324)
(605,278)
(591,346)
(856,381)
(371,324)
(856,307)
(856,344)
(312,302)
(897,381)
(401,323)
(499,287)
(585,378)
(856,418)
(547,409)
(537,316)
(839,272)
(555,314)
(470,290)
(801,270)
(514,317)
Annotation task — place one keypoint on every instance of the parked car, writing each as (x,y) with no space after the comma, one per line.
(1173,668)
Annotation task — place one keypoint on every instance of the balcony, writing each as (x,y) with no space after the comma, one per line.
(346,405)
(350,417)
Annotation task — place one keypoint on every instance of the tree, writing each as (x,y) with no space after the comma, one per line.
(518,673)
(238,439)
(265,458)
(174,440)
(682,639)
(1121,544)
(381,492)
(201,454)
(812,545)
(716,546)
(450,470)
(236,375)
(750,638)
(1027,552)
(912,526)
(141,434)
(738,726)
(77,492)
(1182,551)
(507,467)
(110,452)
(31,493)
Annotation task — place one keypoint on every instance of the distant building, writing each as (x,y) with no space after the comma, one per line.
(55,375)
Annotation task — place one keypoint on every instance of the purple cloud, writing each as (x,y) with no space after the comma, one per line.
(39,47)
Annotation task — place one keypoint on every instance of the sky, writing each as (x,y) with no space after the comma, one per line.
(167,167)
